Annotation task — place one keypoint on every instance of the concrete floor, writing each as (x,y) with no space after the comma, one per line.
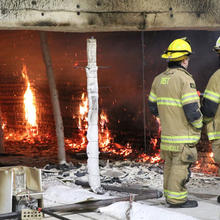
(208,209)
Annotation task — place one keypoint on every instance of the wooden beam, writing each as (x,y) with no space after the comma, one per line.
(54,99)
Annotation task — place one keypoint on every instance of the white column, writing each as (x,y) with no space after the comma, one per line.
(92,133)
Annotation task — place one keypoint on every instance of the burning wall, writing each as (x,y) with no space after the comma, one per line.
(120,86)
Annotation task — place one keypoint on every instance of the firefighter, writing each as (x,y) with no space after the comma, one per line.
(174,99)
(211,111)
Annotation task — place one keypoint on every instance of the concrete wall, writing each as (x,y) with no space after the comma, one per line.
(109,15)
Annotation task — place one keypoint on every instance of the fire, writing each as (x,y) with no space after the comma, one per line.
(3,125)
(154,145)
(83,111)
(149,158)
(104,135)
(106,141)
(30,109)
(153,142)
(206,164)
(78,144)
(29,106)
(30,115)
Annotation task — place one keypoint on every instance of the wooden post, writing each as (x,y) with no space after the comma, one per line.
(54,100)
(92,133)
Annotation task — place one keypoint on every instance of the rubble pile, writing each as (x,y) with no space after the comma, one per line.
(124,174)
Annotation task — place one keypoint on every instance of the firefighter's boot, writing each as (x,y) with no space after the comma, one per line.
(187,204)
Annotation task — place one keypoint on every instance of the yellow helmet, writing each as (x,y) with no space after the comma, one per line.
(178,50)
(217,46)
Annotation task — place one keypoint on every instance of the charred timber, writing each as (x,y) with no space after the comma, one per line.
(54,99)
(109,15)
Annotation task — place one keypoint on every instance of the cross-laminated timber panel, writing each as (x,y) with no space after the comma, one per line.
(109,15)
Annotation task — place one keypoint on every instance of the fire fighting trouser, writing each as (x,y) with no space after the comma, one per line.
(177,172)
(216,152)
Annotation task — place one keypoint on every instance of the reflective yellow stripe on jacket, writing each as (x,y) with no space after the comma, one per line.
(215,97)
(214,135)
(175,195)
(190,97)
(186,98)
(197,123)
(152,97)
(179,139)
(169,101)
(170,147)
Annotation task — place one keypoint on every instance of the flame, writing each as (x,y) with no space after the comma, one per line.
(106,141)
(29,106)
(3,125)
(30,109)
(149,158)
(83,112)
(104,134)
(30,115)
(153,142)
(206,164)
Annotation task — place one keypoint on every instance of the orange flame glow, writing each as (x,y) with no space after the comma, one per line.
(83,112)
(29,105)
(106,141)
(30,109)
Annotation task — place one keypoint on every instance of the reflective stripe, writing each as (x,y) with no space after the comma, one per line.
(214,135)
(175,195)
(174,148)
(190,97)
(169,101)
(179,139)
(197,124)
(206,119)
(213,96)
(165,192)
(152,97)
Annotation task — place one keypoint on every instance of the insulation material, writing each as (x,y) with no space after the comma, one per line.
(135,211)
(92,133)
